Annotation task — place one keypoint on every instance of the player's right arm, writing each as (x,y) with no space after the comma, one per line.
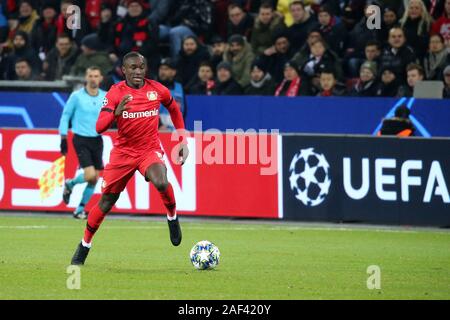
(66,116)
(111,109)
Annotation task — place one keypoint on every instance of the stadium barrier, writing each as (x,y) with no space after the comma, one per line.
(288,115)
(379,180)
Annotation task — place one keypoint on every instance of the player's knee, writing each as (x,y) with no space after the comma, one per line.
(161,184)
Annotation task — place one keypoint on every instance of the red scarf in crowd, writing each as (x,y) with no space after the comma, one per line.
(292,90)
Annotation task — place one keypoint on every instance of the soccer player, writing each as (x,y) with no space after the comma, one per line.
(82,110)
(134,104)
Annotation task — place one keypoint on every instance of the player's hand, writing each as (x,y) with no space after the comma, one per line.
(63,146)
(183,153)
(122,105)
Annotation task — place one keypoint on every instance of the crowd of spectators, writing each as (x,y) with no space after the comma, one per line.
(231,47)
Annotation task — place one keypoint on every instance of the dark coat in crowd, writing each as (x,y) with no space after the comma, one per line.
(244,28)
(262,34)
(195,14)
(228,88)
(388,89)
(265,87)
(275,64)
(398,60)
(7,65)
(298,32)
(59,66)
(368,89)
(43,35)
(335,36)
(416,39)
(358,37)
(187,65)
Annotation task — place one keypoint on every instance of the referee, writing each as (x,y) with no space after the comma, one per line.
(82,110)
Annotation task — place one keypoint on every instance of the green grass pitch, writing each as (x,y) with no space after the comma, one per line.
(133,259)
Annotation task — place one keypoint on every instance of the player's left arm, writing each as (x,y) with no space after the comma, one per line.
(177,118)
(68,111)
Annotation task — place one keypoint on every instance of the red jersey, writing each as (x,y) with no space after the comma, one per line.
(138,126)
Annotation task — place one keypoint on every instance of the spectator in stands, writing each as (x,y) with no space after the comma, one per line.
(416,22)
(43,34)
(442,25)
(415,73)
(304,22)
(192,54)
(23,70)
(240,56)
(134,32)
(333,32)
(21,50)
(319,57)
(218,47)
(390,19)
(357,39)
(292,85)
(372,51)
(239,22)
(60,59)
(261,82)
(225,84)
(166,75)
(305,55)
(23,22)
(436,59)
(277,56)
(446,94)
(76,34)
(398,55)
(203,83)
(389,84)
(366,86)
(159,11)
(192,17)
(329,85)
(93,11)
(267,23)
(399,125)
(92,55)
(114,76)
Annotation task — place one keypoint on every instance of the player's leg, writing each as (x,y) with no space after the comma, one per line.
(156,173)
(115,178)
(91,177)
(92,164)
(95,219)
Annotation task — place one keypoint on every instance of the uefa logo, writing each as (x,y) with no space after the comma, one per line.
(309,177)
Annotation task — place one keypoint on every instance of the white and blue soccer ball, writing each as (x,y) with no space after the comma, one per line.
(205,255)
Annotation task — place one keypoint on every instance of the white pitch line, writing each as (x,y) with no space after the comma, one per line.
(208,227)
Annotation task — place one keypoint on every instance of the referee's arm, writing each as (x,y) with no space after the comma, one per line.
(66,116)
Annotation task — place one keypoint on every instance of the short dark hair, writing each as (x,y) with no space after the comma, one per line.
(298,2)
(132,54)
(266,5)
(375,43)
(19,60)
(415,66)
(206,64)
(63,36)
(94,68)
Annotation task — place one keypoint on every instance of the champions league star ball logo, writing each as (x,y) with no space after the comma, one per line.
(310,177)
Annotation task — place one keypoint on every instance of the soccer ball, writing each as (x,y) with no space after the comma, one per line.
(310,177)
(205,255)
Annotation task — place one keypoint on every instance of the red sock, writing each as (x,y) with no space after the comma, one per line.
(168,199)
(95,218)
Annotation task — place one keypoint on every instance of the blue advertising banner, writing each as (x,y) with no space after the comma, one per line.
(315,115)
(299,115)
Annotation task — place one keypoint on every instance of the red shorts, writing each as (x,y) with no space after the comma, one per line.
(121,168)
